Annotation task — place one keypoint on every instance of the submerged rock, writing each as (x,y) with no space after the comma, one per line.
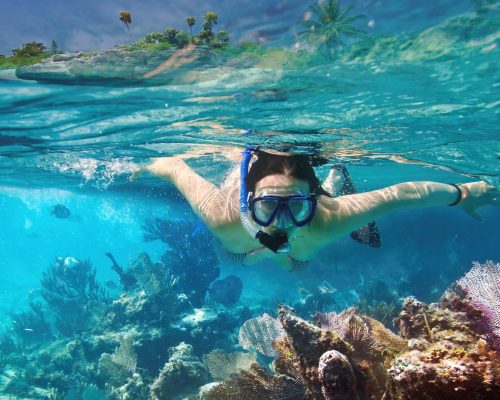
(226,291)
(118,65)
(182,374)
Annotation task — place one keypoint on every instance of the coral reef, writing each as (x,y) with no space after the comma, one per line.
(336,376)
(445,350)
(441,352)
(260,333)
(30,326)
(115,369)
(316,298)
(377,300)
(221,364)
(481,285)
(448,359)
(74,294)
(182,374)
(195,267)
(256,384)
(79,343)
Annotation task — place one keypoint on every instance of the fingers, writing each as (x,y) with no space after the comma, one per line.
(136,174)
(474,214)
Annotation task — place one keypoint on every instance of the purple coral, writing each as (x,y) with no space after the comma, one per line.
(482,285)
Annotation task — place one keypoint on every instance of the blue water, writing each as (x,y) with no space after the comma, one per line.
(389,118)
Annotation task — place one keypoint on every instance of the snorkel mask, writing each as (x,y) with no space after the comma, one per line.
(295,210)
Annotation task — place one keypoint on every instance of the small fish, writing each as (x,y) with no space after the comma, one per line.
(61,211)
(28,329)
(111,284)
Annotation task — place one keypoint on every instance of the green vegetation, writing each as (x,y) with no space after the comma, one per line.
(31,49)
(328,25)
(29,53)
(178,38)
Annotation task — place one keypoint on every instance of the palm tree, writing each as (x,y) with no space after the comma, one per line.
(190,21)
(210,20)
(126,18)
(331,23)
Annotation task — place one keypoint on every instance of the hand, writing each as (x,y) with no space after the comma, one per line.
(478,194)
(137,173)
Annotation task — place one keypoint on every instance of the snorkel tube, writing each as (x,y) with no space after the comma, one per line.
(277,243)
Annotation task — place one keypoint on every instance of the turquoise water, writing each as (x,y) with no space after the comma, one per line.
(428,112)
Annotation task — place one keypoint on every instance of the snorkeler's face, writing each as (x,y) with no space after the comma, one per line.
(282,186)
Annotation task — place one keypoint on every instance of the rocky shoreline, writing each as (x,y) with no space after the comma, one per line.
(112,65)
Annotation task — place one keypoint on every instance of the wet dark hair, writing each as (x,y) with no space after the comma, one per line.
(299,166)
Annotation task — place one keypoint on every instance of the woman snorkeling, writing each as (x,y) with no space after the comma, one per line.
(276,208)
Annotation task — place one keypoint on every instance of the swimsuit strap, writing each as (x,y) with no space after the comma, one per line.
(240,258)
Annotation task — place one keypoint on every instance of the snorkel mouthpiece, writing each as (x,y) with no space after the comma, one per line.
(278,242)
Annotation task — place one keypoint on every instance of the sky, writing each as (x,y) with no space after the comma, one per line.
(93,24)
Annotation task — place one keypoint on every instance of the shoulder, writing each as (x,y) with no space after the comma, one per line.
(328,222)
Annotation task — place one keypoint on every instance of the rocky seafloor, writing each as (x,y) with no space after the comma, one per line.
(173,329)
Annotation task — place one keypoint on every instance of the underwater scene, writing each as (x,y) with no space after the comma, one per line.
(251,200)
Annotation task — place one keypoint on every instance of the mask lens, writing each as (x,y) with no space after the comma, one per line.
(300,209)
(264,210)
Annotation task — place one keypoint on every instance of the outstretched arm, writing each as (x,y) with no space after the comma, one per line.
(211,204)
(343,214)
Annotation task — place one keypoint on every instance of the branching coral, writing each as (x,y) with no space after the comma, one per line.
(257,384)
(367,335)
(154,278)
(194,266)
(31,326)
(74,294)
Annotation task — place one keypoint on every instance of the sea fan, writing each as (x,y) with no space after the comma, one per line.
(259,334)
(482,286)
